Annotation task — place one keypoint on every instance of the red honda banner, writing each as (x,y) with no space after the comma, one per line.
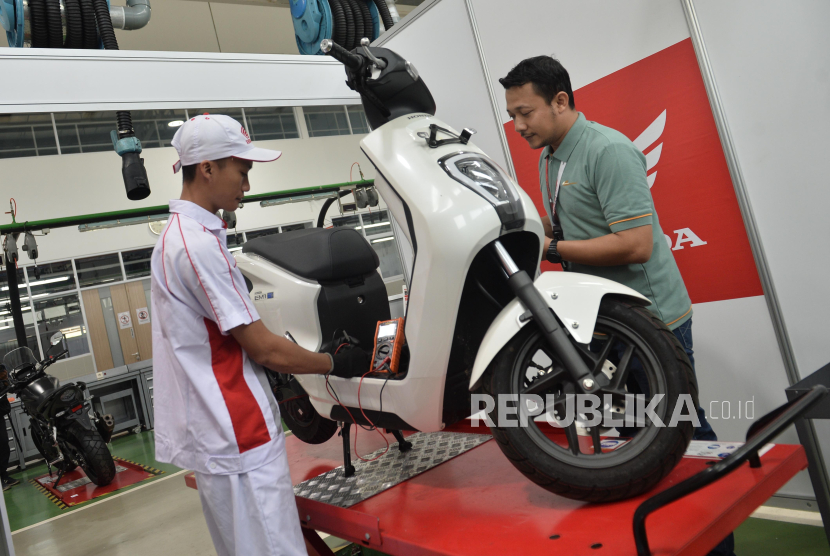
(660,103)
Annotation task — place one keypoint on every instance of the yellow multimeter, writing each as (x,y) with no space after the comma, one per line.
(389,342)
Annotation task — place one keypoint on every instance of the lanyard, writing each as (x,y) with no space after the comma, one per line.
(552,199)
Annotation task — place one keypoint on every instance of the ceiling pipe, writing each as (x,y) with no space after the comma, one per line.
(134,16)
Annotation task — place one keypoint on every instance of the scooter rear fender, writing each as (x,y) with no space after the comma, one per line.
(574,298)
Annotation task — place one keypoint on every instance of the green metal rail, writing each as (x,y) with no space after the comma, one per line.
(68,221)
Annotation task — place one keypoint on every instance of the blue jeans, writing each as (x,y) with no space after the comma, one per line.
(684,336)
(704,432)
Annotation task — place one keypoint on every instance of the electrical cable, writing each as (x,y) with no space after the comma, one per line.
(74,24)
(54,24)
(39,24)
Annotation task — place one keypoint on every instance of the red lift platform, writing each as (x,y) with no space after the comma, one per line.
(478,503)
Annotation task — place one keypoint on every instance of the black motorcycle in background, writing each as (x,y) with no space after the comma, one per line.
(66,429)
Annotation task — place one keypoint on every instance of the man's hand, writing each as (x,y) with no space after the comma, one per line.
(277,353)
(350,362)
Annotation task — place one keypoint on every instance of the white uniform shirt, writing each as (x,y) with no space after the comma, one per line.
(214,411)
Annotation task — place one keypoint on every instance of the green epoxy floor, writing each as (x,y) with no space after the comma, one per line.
(27,506)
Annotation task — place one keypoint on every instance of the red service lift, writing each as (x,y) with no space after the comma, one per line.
(478,503)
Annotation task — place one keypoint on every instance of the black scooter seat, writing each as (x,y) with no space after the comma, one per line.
(324,255)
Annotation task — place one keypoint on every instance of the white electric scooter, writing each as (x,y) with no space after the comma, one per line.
(476,321)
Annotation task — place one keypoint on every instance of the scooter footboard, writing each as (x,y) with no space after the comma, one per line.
(574,298)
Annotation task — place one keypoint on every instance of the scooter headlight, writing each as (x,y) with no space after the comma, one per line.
(483,176)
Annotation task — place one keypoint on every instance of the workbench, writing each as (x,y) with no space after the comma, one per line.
(478,503)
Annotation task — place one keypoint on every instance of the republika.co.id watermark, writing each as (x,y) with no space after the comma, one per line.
(590,410)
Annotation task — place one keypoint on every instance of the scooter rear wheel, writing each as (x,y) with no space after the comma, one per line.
(625,333)
(302,419)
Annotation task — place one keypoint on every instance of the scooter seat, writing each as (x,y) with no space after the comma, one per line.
(324,255)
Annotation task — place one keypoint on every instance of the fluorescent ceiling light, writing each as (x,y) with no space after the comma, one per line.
(41,282)
(175,123)
(390,238)
(9,312)
(373,225)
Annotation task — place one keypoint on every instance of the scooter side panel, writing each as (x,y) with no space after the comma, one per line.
(284,302)
(575,298)
(451,225)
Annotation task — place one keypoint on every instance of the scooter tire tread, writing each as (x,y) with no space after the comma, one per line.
(594,493)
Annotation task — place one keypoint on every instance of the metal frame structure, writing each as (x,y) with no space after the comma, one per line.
(806,431)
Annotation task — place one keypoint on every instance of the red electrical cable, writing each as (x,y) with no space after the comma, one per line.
(374,427)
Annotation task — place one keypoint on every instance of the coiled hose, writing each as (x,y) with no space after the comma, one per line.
(54,23)
(352,21)
(339,22)
(38,22)
(74,24)
(357,22)
(385,15)
(90,31)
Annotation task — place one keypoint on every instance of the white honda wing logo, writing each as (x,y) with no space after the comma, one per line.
(648,138)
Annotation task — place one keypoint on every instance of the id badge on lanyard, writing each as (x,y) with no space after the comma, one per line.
(552,198)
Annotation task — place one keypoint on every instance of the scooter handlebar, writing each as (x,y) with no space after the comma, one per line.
(331,48)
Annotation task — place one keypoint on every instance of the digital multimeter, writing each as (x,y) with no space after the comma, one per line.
(389,342)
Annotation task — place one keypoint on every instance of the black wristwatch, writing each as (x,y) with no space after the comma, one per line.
(553,255)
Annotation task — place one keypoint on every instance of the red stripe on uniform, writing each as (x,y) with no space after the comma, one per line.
(246,416)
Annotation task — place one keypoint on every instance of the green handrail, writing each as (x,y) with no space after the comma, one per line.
(67,221)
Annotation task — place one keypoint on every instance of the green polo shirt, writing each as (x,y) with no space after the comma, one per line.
(604,190)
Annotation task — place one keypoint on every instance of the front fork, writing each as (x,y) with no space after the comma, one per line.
(556,335)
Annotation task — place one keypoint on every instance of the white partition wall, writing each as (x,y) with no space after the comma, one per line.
(633,67)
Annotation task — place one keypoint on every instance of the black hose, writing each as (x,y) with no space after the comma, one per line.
(102,18)
(385,16)
(368,24)
(357,22)
(54,23)
(74,25)
(338,22)
(90,30)
(39,24)
(321,219)
(348,43)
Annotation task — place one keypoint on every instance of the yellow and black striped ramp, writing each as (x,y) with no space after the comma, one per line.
(52,498)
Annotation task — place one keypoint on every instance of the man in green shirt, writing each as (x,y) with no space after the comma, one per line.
(600,215)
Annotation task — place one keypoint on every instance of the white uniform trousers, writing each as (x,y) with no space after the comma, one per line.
(254,513)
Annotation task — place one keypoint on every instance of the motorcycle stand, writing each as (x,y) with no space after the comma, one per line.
(403,445)
(60,476)
(348,468)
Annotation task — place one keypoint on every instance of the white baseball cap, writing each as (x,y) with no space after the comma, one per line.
(213,137)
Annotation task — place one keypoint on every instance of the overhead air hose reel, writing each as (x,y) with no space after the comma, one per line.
(84,24)
(343,21)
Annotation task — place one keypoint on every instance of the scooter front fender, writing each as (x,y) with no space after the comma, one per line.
(574,298)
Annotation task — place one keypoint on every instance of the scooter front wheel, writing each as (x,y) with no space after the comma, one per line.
(565,451)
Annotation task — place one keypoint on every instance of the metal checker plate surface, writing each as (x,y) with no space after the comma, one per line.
(48,481)
(373,477)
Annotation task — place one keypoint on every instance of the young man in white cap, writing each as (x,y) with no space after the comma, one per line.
(214,411)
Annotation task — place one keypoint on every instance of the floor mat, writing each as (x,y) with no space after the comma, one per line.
(76,488)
